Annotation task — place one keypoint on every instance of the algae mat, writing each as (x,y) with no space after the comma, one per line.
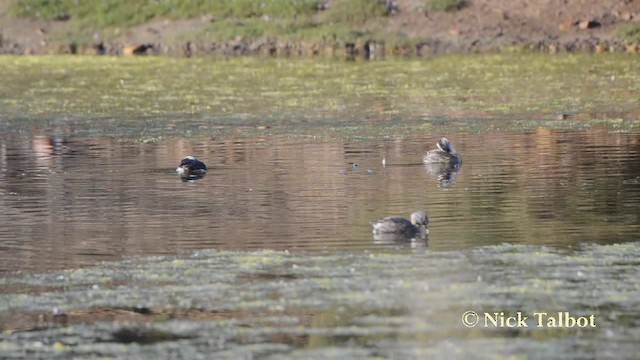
(153,97)
(403,303)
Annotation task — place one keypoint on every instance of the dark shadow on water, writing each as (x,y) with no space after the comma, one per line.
(192,177)
(143,336)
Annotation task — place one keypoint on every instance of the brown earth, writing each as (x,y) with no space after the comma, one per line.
(482,26)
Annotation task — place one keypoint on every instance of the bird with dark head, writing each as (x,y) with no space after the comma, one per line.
(444,154)
(401,227)
(191,168)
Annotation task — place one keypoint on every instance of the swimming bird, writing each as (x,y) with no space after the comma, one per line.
(401,227)
(191,168)
(444,154)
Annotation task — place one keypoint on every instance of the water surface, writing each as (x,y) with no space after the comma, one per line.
(80,200)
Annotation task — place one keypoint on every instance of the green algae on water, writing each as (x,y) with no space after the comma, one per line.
(150,97)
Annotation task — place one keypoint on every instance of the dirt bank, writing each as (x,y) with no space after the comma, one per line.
(480,26)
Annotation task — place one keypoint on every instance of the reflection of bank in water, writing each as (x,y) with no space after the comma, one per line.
(45,146)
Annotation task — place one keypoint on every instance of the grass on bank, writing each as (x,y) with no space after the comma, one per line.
(311,21)
(629,32)
(302,30)
(123,13)
(445,5)
(301,20)
(127,13)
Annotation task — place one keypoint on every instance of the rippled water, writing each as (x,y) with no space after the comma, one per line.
(69,202)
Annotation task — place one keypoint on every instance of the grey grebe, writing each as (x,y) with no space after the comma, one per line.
(445,153)
(416,227)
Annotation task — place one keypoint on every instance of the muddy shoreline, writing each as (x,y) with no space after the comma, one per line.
(369,50)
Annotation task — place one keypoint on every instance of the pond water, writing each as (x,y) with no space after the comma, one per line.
(106,252)
(69,202)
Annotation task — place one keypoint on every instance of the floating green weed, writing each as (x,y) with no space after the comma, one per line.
(207,96)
